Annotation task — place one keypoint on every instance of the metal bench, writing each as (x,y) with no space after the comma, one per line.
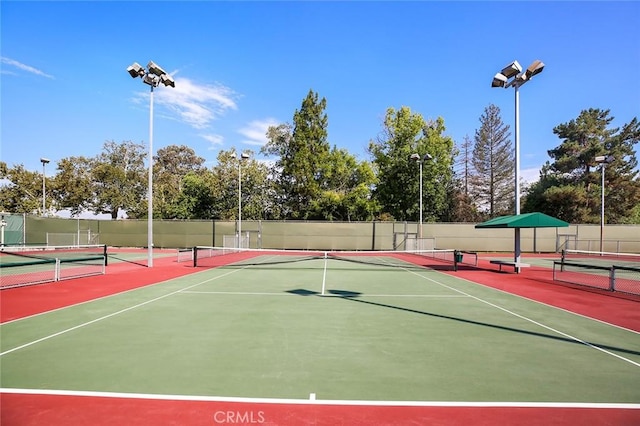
(516,265)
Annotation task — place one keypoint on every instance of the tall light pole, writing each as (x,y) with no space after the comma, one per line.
(243,156)
(513,76)
(44,162)
(153,75)
(603,160)
(418,159)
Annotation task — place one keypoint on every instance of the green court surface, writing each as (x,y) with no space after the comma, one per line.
(335,329)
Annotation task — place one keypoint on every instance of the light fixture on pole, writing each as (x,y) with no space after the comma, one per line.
(153,75)
(416,157)
(243,156)
(603,160)
(513,76)
(44,162)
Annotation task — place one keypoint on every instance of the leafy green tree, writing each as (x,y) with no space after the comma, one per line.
(258,189)
(73,186)
(170,166)
(570,187)
(21,190)
(397,191)
(195,200)
(302,149)
(119,179)
(491,182)
(345,189)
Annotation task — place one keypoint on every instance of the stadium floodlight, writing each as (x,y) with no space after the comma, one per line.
(151,80)
(152,76)
(44,162)
(512,76)
(511,70)
(603,160)
(535,68)
(136,70)
(167,80)
(499,80)
(420,159)
(155,69)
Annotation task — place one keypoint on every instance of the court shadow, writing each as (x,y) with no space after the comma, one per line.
(303,292)
(345,293)
(355,299)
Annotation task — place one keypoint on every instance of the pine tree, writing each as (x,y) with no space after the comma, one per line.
(491,182)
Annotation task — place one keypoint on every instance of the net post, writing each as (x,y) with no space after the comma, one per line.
(195,256)
(106,257)
(612,278)
(56,274)
(324,273)
(455,260)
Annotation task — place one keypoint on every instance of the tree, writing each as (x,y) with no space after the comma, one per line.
(569,187)
(170,166)
(195,200)
(119,179)
(491,183)
(461,206)
(397,190)
(464,164)
(302,149)
(73,184)
(345,189)
(20,189)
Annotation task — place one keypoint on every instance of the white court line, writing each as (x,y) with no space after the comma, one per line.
(539,324)
(94,300)
(113,314)
(309,401)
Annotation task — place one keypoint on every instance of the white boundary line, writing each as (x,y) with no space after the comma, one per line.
(112,314)
(551,306)
(311,401)
(539,324)
(97,298)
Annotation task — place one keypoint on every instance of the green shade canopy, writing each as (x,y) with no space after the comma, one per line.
(527,220)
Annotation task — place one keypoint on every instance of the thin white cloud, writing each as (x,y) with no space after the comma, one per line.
(23,67)
(255,132)
(215,140)
(197,104)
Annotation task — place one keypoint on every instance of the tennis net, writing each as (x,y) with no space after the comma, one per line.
(601,258)
(27,265)
(603,270)
(234,257)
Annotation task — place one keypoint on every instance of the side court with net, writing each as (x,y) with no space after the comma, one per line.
(286,337)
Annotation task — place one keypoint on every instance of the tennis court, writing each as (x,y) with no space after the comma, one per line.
(311,330)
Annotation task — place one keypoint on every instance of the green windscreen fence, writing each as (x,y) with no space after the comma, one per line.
(12,231)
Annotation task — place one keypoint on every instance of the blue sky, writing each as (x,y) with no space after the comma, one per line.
(242,66)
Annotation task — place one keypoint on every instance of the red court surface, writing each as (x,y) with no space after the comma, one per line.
(60,408)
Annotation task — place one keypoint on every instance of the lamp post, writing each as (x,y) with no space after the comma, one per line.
(513,76)
(44,162)
(416,157)
(243,156)
(603,160)
(153,75)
